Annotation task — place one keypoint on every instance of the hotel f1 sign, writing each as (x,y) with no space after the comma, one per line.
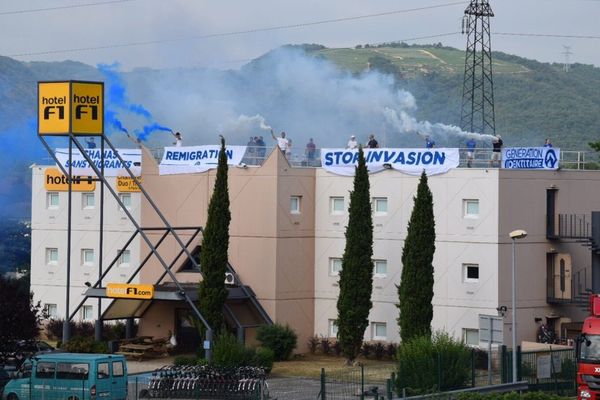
(70,107)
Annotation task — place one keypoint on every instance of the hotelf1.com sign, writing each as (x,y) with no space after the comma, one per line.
(530,158)
(75,107)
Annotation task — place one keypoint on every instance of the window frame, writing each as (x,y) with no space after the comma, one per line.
(466,331)
(466,213)
(54,306)
(375,273)
(298,209)
(332,328)
(84,311)
(50,260)
(49,197)
(465,273)
(122,263)
(374,335)
(376,201)
(84,261)
(85,196)
(122,197)
(332,262)
(332,201)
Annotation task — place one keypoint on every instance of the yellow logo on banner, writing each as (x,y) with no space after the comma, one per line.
(87,108)
(53,107)
(55,181)
(71,107)
(126,184)
(129,291)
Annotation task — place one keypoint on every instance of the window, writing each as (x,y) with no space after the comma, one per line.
(45,370)
(380,267)
(51,310)
(51,256)
(295,204)
(103,371)
(126,200)
(380,206)
(379,330)
(88,201)
(471,208)
(75,371)
(125,258)
(87,313)
(52,200)
(87,257)
(118,368)
(332,328)
(470,273)
(471,336)
(336,206)
(335,266)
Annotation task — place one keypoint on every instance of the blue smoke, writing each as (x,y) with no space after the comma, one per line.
(117,99)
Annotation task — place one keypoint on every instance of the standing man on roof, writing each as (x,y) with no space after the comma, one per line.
(282,142)
(352,143)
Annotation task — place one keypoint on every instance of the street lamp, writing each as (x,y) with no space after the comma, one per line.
(514,235)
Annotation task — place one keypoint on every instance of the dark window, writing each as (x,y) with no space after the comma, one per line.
(562,275)
(472,272)
(45,370)
(76,371)
(188,266)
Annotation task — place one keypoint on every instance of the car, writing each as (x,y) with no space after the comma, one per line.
(5,376)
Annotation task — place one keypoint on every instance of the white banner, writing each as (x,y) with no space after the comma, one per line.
(530,158)
(194,159)
(408,161)
(112,165)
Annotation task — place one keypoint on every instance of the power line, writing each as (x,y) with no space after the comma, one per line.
(236,33)
(549,35)
(34,10)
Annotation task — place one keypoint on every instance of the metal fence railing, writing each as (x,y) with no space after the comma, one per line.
(550,371)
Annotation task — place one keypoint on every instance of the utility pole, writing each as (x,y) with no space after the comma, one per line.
(567,53)
(477,112)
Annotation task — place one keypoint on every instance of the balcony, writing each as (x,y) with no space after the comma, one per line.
(563,284)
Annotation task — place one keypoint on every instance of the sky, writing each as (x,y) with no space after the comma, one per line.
(225,34)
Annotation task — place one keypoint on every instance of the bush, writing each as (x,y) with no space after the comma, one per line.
(432,364)
(264,357)
(79,344)
(379,350)
(54,329)
(281,339)
(337,348)
(84,329)
(185,360)
(510,396)
(366,350)
(313,344)
(325,345)
(390,350)
(481,358)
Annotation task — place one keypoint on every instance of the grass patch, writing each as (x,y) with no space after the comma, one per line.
(309,366)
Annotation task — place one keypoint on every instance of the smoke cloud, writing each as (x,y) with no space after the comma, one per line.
(304,96)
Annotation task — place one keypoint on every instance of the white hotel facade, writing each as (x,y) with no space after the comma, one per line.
(287,239)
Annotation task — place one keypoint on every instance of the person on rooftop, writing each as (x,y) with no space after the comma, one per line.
(372,143)
(282,142)
(352,143)
(178,139)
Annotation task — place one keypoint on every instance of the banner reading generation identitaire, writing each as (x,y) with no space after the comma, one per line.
(112,165)
(408,161)
(530,158)
(195,159)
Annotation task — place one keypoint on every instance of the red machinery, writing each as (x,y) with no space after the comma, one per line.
(588,354)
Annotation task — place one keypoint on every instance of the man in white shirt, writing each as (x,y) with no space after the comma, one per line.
(178,139)
(352,143)
(282,142)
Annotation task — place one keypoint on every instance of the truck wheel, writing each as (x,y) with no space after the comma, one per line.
(12,396)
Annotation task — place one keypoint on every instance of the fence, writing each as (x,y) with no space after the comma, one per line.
(357,382)
(550,371)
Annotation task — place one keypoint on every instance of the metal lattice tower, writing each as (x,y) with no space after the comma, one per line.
(477,114)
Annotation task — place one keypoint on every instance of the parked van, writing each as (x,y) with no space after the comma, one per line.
(69,376)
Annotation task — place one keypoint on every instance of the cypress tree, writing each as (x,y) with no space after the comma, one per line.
(416,286)
(356,276)
(213,254)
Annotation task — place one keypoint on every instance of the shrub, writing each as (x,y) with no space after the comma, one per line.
(366,350)
(228,352)
(337,348)
(447,362)
(185,360)
(84,329)
(264,357)
(379,350)
(313,344)
(79,344)
(481,358)
(54,329)
(325,345)
(510,396)
(390,350)
(281,339)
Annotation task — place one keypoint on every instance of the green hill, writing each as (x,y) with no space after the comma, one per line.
(533,100)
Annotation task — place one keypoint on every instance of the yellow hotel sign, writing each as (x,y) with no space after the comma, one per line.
(70,107)
(126,184)
(129,291)
(55,181)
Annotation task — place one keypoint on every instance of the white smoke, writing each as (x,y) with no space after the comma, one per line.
(405,123)
(304,96)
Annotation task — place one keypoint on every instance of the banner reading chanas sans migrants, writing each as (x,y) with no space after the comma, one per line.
(409,161)
(530,158)
(112,165)
(194,159)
